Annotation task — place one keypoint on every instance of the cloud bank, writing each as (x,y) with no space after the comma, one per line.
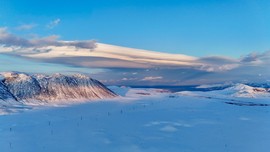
(128,66)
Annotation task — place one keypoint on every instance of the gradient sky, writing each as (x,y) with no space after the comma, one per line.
(14,63)
(193,27)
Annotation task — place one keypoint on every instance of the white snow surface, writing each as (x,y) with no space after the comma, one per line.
(142,120)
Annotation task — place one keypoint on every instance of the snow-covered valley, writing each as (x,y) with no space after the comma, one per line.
(134,76)
(147,120)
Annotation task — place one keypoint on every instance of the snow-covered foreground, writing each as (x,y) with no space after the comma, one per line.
(145,120)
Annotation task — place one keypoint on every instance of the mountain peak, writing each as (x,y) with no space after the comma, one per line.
(37,88)
(243,90)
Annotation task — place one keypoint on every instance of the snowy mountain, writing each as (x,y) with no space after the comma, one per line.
(5,95)
(235,91)
(242,90)
(41,88)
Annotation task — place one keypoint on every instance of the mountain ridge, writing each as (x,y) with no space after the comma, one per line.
(40,88)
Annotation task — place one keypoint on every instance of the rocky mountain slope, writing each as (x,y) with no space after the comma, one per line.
(39,88)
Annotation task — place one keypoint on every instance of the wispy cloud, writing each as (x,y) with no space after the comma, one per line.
(26,26)
(53,23)
(256,58)
(218,63)
(151,78)
(7,40)
(129,79)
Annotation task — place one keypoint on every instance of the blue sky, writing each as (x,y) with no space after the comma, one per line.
(193,27)
(227,41)
(13,63)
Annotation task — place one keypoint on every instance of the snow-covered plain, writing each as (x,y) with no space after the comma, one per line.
(147,120)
